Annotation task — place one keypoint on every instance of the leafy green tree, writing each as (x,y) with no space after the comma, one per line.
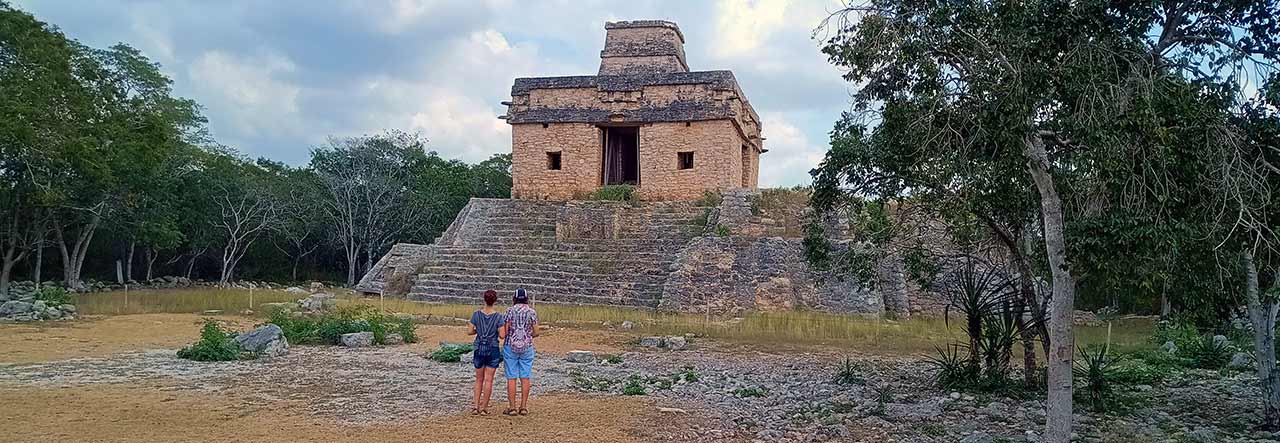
(1055,91)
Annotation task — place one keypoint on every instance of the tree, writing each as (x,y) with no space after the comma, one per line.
(1063,90)
(300,224)
(246,208)
(365,182)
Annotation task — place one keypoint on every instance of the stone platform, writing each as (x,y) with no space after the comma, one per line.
(671,256)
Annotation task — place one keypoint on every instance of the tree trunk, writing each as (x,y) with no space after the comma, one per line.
(73,260)
(1062,304)
(11,257)
(128,263)
(1262,314)
(1030,370)
(151,260)
(1165,307)
(39,260)
(192,264)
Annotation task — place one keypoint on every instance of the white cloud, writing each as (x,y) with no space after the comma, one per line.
(744,24)
(790,155)
(249,90)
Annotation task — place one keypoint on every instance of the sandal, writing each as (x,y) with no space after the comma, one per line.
(510,412)
(475,411)
(524,411)
(484,412)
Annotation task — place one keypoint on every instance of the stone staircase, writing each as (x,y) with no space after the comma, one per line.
(580,252)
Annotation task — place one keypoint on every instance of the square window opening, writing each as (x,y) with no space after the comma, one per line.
(553,161)
(684,160)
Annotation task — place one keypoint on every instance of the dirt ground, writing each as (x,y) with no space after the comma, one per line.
(116,413)
(147,410)
(101,336)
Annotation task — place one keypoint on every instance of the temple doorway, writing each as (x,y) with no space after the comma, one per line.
(621,155)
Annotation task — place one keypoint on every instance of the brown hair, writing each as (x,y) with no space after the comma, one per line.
(490,297)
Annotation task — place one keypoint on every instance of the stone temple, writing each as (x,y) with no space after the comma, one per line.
(644,120)
(701,240)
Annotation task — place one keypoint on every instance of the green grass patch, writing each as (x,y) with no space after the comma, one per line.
(450,353)
(216,344)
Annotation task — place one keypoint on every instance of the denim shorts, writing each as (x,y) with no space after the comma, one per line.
(486,357)
(517,365)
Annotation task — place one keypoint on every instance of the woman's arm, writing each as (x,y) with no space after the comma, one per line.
(502,331)
(535,328)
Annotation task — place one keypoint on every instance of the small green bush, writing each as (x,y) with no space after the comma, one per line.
(620,193)
(709,199)
(215,344)
(1205,353)
(450,353)
(1098,376)
(722,231)
(612,359)
(689,374)
(53,295)
(634,386)
(849,373)
(750,391)
(952,371)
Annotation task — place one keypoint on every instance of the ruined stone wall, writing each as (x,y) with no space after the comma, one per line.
(579,148)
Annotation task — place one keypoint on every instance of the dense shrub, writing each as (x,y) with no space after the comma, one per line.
(215,344)
(1207,353)
(328,328)
(53,295)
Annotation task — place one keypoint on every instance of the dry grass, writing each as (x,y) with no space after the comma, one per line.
(187,300)
(102,336)
(113,413)
(917,335)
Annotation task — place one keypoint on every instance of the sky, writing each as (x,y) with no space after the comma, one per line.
(278,77)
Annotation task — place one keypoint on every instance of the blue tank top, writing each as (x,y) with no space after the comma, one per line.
(487,328)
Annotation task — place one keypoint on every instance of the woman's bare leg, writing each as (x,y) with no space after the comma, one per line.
(524,392)
(479,385)
(511,393)
(486,392)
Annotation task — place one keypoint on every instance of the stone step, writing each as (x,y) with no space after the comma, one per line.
(479,274)
(542,293)
(450,297)
(499,263)
(547,285)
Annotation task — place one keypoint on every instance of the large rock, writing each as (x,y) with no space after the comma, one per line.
(317,303)
(1241,361)
(676,343)
(15,307)
(651,342)
(1169,347)
(1220,341)
(265,341)
(393,339)
(296,290)
(580,357)
(357,339)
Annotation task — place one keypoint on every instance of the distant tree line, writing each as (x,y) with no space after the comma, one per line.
(100,163)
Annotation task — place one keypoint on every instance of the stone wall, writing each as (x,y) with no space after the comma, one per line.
(717,160)
(642,45)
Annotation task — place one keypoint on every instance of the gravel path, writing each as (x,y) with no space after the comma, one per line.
(738,396)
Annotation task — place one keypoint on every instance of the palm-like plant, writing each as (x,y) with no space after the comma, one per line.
(978,292)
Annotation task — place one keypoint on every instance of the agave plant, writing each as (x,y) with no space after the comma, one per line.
(1098,372)
(978,293)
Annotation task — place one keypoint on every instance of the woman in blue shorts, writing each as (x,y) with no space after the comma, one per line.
(485,324)
(517,351)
